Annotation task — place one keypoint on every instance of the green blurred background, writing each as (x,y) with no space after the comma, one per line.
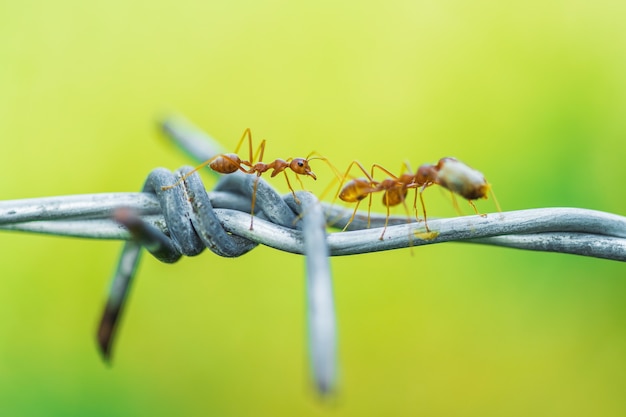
(531,93)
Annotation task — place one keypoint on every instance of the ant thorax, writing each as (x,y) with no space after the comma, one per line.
(461,179)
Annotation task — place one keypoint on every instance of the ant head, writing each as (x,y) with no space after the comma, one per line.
(426,173)
(301,166)
(445,160)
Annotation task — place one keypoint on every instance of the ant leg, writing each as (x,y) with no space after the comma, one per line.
(471,203)
(408,217)
(408,222)
(251,157)
(406,210)
(394,177)
(247,133)
(338,177)
(424,209)
(327,190)
(291,188)
(386,222)
(256,184)
(417,218)
(259,152)
(180,180)
(199,167)
(455,203)
(351,217)
(495,200)
(386,171)
(369,209)
(299,180)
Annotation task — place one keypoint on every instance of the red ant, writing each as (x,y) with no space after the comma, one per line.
(449,173)
(229,163)
(458,178)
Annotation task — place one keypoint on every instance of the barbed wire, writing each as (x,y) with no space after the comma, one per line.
(187,219)
(567,230)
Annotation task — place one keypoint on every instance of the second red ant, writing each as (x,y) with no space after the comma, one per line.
(449,173)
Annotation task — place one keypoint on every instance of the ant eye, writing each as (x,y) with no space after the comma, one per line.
(300,163)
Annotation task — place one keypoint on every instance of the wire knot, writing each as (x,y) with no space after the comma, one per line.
(190,218)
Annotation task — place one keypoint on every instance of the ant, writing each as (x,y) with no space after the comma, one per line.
(395,190)
(229,163)
(458,178)
(450,173)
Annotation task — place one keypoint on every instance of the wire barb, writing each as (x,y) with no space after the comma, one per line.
(185,220)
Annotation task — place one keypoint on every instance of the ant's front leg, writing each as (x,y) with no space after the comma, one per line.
(291,188)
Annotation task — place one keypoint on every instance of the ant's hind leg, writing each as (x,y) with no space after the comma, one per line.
(424,210)
(246,133)
(495,200)
(455,204)
(417,217)
(408,222)
(471,203)
(258,155)
(199,167)
(386,223)
(256,184)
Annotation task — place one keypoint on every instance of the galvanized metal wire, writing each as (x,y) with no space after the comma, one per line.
(185,220)
(567,230)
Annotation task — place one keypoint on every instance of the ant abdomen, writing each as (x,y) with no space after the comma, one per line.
(356,190)
(226,163)
(462,179)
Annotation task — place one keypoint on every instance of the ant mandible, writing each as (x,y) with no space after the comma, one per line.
(229,163)
(458,178)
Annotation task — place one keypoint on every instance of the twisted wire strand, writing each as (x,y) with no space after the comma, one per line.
(184,220)
(567,230)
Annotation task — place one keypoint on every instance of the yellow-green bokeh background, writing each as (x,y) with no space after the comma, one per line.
(532,93)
